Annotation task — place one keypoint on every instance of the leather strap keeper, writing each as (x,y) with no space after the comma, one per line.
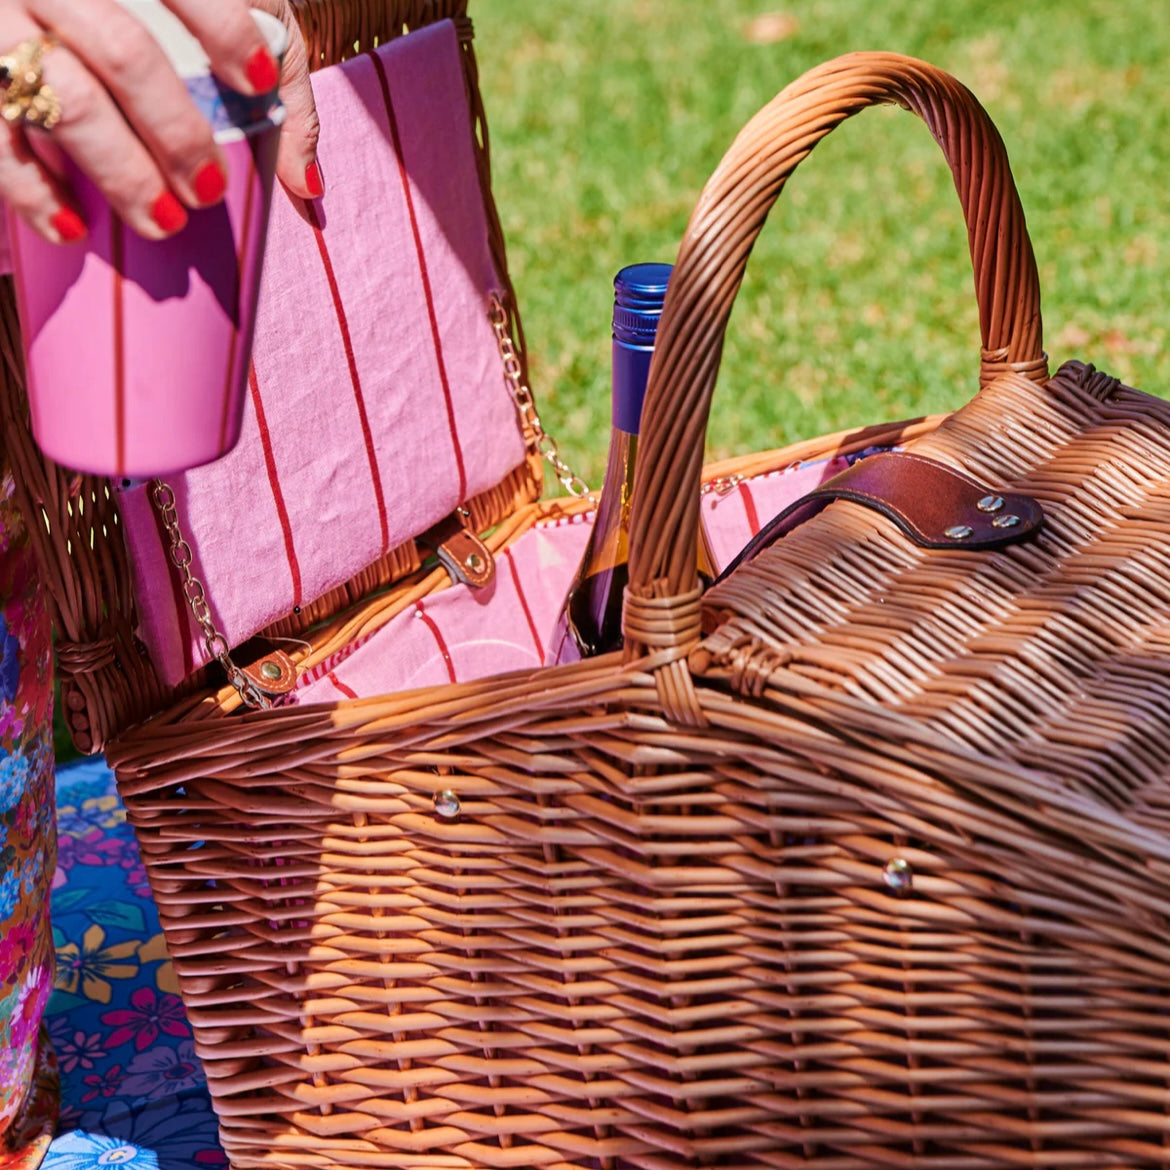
(465,557)
(933,504)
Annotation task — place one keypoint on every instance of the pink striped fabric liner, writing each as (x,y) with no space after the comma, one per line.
(377,401)
(462,634)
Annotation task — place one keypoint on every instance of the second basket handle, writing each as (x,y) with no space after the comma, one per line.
(710,266)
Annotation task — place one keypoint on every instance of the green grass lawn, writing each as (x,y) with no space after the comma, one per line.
(607,118)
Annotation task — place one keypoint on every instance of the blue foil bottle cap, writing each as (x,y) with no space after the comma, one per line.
(639,291)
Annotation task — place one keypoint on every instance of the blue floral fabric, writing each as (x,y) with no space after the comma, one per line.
(133,1093)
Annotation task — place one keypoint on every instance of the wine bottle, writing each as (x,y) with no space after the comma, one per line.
(591,622)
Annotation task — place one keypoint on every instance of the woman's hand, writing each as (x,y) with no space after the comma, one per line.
(126,118)
(296,163)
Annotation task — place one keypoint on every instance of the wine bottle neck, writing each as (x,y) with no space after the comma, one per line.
(631,369)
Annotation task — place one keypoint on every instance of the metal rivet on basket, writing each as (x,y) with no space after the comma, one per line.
(1008,521)
(990,504)
(898,875)
(959,531)
(475,562)
(270,670)
(446,804)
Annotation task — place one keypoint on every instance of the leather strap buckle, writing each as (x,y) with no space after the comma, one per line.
(466,558)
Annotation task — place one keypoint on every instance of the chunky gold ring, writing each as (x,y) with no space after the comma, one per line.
(24,96)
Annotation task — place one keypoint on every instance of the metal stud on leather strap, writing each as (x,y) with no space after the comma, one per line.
(959,531)
(1008,521)
(990,504)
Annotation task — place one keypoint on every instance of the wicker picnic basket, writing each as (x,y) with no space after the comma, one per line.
(859,861)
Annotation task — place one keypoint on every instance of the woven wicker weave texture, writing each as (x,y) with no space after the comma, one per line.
(908,909)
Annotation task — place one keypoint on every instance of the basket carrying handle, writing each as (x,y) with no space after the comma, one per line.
(662,612)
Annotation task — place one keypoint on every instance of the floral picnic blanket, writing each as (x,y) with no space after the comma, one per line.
(133,1093)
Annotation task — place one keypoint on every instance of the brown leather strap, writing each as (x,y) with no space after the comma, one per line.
(465,557)
(933,504)
(273,672)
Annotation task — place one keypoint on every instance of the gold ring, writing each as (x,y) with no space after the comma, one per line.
(24,96)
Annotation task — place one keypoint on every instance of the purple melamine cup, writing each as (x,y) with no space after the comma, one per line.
(137,351)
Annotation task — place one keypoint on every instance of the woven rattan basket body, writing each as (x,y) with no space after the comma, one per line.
(873,875)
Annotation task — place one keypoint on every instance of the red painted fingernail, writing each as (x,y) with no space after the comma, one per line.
(210,183)
(313,179)
(68,225)
(262,70)
(168,213)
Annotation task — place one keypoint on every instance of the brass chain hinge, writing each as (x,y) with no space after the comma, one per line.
(542,442)
(214,642)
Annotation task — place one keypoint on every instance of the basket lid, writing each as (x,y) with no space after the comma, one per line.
(379,401)
(377,398)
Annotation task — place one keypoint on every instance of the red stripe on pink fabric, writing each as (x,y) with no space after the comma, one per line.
(294,565)
(437,340)
(354,379)
(348,692)
(749,507)
(524,603)
(322,669)
(177,596)
(438,636)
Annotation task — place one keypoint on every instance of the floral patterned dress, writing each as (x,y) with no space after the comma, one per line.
(28,1074)
(134,1094)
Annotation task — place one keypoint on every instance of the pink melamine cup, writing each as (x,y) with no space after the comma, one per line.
(137,351)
